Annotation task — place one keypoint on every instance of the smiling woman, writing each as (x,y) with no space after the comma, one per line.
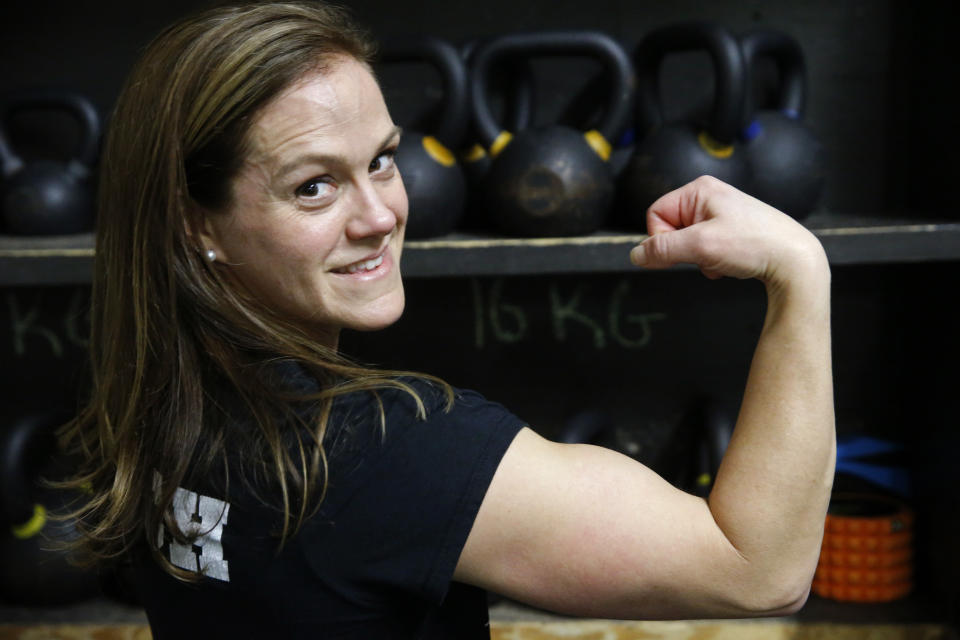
(315,227)
(264,485)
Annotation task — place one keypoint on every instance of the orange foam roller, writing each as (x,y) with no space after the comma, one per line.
(848,576)
(884,543)
(865,559)
(867,550)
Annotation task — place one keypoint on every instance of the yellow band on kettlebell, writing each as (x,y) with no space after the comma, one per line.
(438,152)
(503,139)
(713,146)
(704,480)
(33,526)
(599,144)
(476,153)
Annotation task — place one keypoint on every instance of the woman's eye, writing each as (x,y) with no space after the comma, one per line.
(383,161)
(315,189)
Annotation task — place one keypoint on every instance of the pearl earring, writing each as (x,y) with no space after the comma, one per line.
(211,255)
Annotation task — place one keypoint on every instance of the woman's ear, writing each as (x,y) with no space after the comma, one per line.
(202,234)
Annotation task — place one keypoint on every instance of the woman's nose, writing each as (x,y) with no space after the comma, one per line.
(374,212)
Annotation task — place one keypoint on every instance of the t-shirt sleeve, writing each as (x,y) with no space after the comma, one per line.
(397,515)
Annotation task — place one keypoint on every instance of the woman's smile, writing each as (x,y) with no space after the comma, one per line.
(367,266)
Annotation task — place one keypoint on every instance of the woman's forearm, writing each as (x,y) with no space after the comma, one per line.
(773,486)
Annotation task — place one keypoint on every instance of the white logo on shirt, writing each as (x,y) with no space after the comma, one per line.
(203,517)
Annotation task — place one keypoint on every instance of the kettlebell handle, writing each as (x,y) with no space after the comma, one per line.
(592,44)
(519,112)
(787,55)
(724,50)
(78,106)
(452,124)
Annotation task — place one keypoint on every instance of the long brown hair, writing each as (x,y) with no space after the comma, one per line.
(166,327)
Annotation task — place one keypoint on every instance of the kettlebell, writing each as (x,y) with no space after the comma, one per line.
(48,197)
(512,88)
(32,570)
(584,109)
(719,420)
(669,155)
(786,158)
(551,180)
(435,184)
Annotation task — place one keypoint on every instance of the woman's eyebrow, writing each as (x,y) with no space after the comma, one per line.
(327,159)
(395,132)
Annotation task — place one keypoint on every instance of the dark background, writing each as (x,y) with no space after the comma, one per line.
(877,69)
(648,349)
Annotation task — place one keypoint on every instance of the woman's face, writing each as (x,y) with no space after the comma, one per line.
(317,221)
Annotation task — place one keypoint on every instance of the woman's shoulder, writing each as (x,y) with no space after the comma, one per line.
(391,400)
(438,398)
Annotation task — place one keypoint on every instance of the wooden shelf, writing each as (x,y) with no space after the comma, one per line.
(57,260)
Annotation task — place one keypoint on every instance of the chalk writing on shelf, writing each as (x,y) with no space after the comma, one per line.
(610,324)
(32,324)
(40,326)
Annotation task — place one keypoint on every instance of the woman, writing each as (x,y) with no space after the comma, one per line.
(266,486)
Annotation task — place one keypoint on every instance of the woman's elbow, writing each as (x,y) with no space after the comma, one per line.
(797,603)
(780,600)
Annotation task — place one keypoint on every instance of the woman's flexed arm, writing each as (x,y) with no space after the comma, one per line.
(774,483)
(587,531)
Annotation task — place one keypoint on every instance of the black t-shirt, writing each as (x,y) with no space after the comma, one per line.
(376,560)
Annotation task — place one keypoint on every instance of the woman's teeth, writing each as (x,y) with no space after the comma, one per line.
(367,265)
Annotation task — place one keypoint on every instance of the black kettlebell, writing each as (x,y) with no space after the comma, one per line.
(719,420)
(554,180)
(583,109)
(49,197)
(33,570)
(512,86)
(786,158)
(435,184)
(669,155)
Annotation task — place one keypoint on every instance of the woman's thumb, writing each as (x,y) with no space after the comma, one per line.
(659,251)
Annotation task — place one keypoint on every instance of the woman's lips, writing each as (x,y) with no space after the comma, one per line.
(372,266)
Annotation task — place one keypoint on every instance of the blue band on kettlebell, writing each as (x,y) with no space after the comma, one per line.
(793,114)
(627,138)
(752,130)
